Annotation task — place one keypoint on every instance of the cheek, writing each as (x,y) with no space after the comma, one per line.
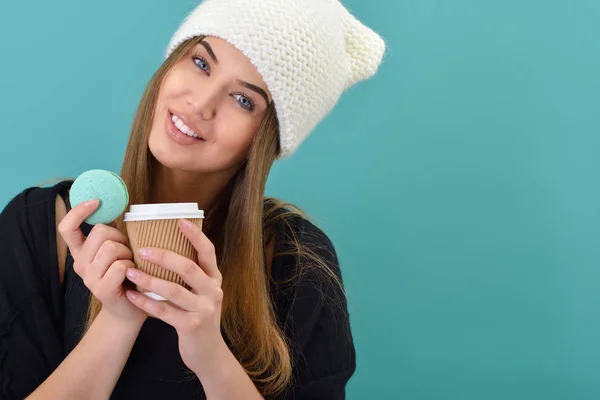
(236,132)
(173,86)
(170,89)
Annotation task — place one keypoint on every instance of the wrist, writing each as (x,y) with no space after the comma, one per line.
(223,377)
(217,356)
(118,324)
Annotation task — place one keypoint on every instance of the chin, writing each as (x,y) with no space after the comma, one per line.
(201,160)
(168,155)
(177,160)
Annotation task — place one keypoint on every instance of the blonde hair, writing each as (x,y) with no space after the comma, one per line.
(249,222)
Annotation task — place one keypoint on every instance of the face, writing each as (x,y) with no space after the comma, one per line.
(208,110)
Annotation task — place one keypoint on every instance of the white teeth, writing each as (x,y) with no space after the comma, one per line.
(183,127)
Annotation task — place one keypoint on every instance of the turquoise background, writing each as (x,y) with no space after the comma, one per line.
(460,185)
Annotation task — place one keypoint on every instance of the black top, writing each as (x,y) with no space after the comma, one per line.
(41,321)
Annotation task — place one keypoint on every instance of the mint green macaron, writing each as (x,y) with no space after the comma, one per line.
(105,186)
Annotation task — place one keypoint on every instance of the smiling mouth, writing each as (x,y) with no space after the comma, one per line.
(183,128)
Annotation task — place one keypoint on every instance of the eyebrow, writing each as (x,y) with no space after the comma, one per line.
(210,51)
(250,86)
(257,89)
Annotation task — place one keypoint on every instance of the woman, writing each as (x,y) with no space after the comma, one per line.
(244,83)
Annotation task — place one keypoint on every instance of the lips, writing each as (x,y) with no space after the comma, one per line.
(177,136)
(187,122)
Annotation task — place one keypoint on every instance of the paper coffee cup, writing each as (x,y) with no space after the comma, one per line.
(156,225)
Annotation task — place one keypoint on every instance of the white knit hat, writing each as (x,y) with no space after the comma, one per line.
(307,51)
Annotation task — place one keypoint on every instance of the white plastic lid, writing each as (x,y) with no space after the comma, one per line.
(155,296)
(144,212)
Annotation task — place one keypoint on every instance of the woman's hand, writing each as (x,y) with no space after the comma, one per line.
(101,260)
(194,313)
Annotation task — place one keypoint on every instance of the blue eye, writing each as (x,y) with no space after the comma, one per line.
(244,101)
(201,63)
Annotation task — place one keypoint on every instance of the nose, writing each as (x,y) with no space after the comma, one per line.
(203,101)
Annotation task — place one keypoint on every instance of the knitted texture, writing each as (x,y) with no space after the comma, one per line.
(307,51)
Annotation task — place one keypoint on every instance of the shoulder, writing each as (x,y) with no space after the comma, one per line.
(28,224)
(311,235)
(302,244)
(33,204)
(32,201)
(305,262)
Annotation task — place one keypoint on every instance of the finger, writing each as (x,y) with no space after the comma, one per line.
(188,270)
(113,279)
(70,224)
(107,254)
(173,292)
(158,309)
(100,233)
(207,259)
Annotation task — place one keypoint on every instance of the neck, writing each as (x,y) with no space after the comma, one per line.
(172,186)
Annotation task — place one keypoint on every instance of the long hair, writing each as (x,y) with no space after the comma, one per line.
(241,226)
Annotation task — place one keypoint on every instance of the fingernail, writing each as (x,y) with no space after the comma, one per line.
(187,224)
(91,203)
(132,295)
(133,273)
(144,252)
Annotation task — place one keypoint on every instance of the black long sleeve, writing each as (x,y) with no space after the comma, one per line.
(40,321)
